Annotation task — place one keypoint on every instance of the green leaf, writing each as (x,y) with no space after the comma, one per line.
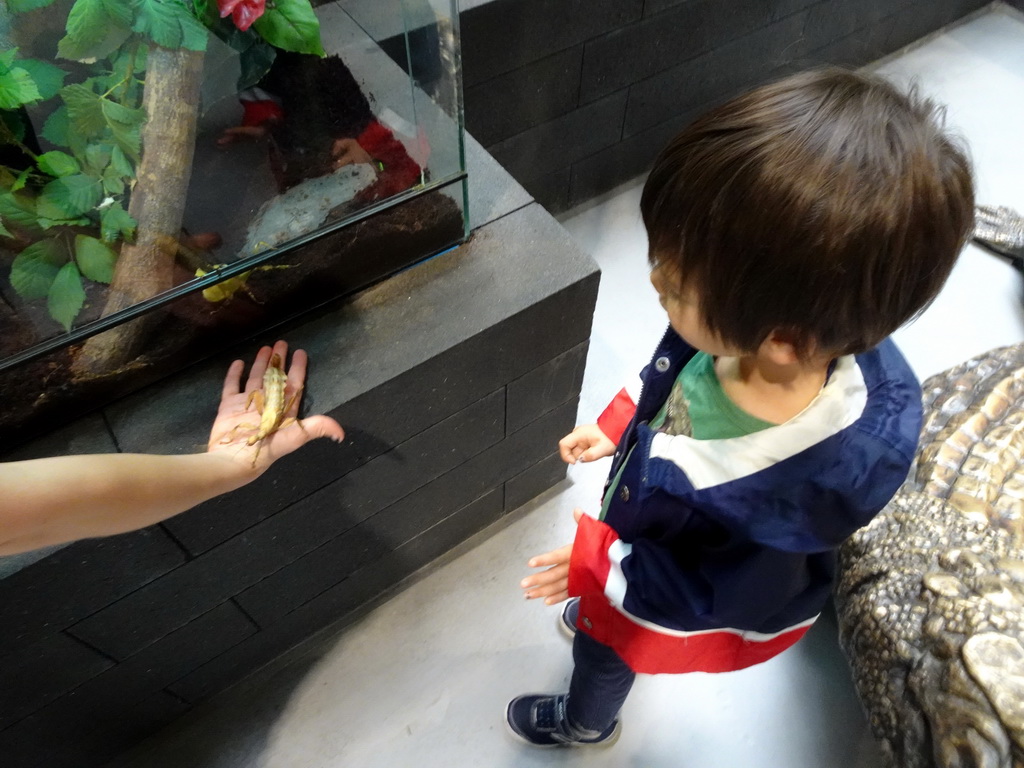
(119,62)
(97,157)
(125,124)
(255,61)
(7,58)
(15,122)
(81,221)
(169,23)
(57,127)
(203,10)
(291,25)
(114,37)
(115,222)
(69,197)
(66,295)
(93,31)
(23,6)
(48,77)
(113,184)
(120,11)
(20,210)
(85,110)
(4,232)
(194,35)
(36,267)
(120,163)
(57,163)
(158,21)
(128,139)
(118,113)
(226,30)
(19,183)
(95,259)
(49,213)
(17,88)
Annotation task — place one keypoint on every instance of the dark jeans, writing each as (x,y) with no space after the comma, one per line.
(600,684)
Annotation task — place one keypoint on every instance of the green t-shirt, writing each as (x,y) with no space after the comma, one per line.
(699,408)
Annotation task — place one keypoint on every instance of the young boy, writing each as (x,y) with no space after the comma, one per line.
(791,231)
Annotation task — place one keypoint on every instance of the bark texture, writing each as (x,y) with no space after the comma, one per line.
(146,267)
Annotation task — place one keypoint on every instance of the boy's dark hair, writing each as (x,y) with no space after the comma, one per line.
(828,205)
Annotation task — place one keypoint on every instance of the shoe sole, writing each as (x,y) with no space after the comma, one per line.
(523,740)
(563,625)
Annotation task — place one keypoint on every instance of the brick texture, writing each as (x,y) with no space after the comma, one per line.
(669,61)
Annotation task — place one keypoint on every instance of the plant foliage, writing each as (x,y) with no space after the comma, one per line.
(65,210)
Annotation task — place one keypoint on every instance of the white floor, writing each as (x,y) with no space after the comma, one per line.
(423,679)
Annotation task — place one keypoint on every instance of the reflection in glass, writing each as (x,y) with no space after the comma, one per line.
(177,174)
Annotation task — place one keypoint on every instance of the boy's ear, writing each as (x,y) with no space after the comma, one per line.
(779,348)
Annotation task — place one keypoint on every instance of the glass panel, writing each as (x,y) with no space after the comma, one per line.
(133,174)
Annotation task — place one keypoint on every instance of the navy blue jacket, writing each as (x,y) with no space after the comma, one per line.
(718,554)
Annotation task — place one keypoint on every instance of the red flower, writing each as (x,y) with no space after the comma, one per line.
(243,12)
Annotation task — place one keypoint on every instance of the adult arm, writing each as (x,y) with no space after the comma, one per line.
(60,499)
(64,498)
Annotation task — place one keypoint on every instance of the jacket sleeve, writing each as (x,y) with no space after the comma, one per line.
(397,170)
(259,107)
(619,412)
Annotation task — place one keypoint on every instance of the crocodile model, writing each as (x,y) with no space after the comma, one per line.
(930,597)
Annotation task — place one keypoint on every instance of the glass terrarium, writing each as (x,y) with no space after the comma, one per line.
(178,175)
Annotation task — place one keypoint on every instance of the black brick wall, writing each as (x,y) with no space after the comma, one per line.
(576,96)
(106,640)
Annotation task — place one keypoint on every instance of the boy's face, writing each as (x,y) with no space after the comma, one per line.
(683,308)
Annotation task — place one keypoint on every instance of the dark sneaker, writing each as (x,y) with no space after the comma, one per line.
(539,720)
(569,615)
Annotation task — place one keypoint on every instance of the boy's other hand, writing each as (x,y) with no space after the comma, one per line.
(241,133)
(349,152)
(585,443)
(553,583)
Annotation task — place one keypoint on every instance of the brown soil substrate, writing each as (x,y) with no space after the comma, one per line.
(41,395)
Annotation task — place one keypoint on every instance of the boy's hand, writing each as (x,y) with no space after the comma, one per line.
(242,133)
(585,443)
(349,152)
(552,584)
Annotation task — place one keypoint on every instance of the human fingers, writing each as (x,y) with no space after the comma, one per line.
(548,592)
(577,514)
(232,380)
(593,452)
(280,348)
(546,582)
(259,367)
(341,146)
(559,597)
(560,555)
(296,435)
(297,370)
(231,135)
(323,426)
(569,448)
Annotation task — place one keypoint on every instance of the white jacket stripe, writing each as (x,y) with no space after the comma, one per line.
(712,462)
(615,586)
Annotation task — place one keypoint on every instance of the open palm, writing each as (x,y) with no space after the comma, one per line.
(235,423)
